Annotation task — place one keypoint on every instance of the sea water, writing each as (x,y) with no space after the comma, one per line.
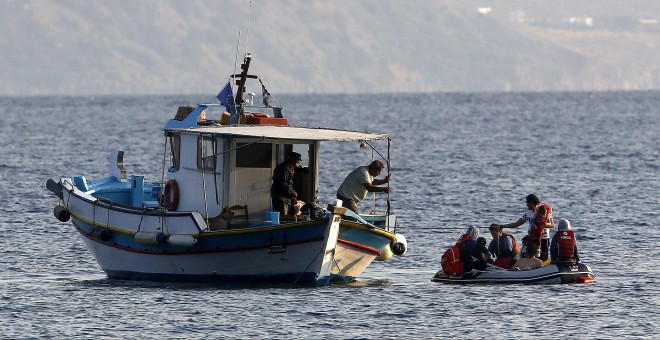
(456,160)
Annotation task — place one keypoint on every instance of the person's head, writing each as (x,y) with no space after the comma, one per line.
(376,167)
(473,231)
(495,230)
(482,241)
(294,158)
(532,201)
(540,211)
(563,224)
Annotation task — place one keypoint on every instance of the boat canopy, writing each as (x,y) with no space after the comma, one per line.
(282,132)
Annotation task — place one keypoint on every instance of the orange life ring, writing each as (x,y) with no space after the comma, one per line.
(171,195)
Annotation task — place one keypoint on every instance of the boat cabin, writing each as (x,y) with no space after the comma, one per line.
(217,167)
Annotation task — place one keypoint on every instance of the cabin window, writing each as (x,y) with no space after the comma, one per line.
(175,148)
(303,150)
(206,154)
(254,155)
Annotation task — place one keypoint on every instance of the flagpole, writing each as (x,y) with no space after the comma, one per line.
(238,44)
(232,78)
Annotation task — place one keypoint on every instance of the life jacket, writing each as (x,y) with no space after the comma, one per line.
(541,221)
(566,246)
(451,259)
(516,249)
(507,262)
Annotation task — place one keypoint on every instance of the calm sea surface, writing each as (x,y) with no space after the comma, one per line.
(457,160)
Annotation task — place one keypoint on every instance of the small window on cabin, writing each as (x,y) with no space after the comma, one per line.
(175,148)
(206,154)
(254,155)
(303,150)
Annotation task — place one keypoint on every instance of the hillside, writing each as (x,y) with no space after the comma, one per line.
(173,46)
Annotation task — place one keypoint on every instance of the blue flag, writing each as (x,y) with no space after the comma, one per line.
(226,98)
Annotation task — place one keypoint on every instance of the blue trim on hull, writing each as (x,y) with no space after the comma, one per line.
(217,243)
(363,237)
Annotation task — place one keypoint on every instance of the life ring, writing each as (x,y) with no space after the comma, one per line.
(171,195)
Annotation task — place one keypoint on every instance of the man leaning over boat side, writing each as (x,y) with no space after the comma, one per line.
(283,196)
(361,181)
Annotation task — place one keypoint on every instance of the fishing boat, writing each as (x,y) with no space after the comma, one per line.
(553,273)
(209,218)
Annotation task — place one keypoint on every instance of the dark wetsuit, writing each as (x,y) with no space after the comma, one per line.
(281,192)
(474,256)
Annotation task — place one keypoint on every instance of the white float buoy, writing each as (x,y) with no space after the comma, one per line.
(182,240)
(149,237)
(399,247)
(385,253)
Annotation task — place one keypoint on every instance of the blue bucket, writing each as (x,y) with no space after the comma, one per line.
(273,216)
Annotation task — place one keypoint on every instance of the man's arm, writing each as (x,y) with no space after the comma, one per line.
(373,188)
(515,224)
(381,181)
(507,244)
(288,179)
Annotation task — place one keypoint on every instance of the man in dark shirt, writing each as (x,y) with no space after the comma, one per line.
(281,192)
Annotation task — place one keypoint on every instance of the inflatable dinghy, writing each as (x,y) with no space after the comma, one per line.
(553,273)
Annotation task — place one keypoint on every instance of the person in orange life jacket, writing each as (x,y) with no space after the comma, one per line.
(528,216)
(538,227)
(473,255)
(563,247)
(503,246)
(283,196)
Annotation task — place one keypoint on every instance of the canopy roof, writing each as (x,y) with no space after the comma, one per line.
(281,132)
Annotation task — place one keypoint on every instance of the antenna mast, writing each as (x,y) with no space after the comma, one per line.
(247,37)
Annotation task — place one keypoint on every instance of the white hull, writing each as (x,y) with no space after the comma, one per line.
(91,210)
(300,253)
(351,261)
(247,265)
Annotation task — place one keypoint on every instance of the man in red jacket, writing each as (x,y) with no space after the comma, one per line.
(563,247)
